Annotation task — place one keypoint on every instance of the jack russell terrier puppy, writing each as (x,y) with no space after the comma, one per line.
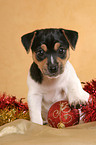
(51,77)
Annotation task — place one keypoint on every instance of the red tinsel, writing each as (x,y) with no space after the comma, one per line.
(90,109)
(10,101)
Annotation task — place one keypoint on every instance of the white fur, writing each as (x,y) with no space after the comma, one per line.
(52,60)
(65,87)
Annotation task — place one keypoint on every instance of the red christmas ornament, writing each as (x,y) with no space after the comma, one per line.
(60,115)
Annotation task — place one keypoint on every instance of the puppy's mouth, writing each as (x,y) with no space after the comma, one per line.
(51,76)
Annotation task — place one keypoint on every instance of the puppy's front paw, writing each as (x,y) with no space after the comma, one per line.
(37,120)
(81,99)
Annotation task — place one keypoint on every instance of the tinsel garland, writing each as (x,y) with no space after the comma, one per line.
(12,109)
(89,110)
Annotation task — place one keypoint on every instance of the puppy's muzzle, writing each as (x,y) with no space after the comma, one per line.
(53,70)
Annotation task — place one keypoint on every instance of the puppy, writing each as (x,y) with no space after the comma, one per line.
(51,77)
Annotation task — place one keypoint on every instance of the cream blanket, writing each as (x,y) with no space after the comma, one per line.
(23,132)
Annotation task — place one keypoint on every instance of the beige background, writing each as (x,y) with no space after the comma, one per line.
(18,17)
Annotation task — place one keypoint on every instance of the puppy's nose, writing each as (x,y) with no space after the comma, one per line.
(53,68)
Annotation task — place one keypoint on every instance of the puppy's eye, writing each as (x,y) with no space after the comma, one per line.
(61,50)
(40,54)
(62,53)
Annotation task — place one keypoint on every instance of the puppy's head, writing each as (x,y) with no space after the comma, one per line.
(50,49)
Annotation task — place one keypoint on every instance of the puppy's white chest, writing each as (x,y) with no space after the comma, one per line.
(53,95)
(53,91)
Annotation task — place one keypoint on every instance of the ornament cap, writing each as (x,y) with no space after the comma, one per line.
(60,125)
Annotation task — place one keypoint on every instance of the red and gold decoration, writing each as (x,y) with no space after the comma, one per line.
(60,115)
(12,109)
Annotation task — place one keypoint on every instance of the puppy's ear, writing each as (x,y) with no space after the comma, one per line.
(71,37)
(27,40)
